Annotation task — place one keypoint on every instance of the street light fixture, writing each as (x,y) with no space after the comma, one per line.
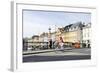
(49,32)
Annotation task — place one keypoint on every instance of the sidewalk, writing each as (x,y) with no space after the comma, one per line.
(43,51)
(50,50)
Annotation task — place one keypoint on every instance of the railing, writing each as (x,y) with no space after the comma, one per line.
(35,45)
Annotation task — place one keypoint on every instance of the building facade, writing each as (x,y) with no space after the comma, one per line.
(87,35)
(72,33)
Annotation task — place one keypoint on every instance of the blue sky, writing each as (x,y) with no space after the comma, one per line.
(36,22)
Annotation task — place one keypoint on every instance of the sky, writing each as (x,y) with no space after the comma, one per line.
(37,22)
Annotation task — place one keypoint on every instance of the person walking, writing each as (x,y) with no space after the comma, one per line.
(61,43)
(50,44)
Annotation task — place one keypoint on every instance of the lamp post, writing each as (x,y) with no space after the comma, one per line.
(49,37)
(49,32)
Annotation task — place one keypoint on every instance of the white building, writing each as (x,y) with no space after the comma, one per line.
(87,34)
(30,40)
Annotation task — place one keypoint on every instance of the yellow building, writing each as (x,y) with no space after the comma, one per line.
(72,36)
(71,33)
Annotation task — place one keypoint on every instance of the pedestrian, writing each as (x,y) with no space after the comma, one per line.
(56,45)
(50,44)
(61,43)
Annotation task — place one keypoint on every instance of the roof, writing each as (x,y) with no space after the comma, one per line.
(44,34)
(34,36)
(87,25)
(78,24)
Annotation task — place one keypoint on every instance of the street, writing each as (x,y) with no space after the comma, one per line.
(58,55)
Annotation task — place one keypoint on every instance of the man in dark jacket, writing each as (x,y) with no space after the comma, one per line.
(50,44)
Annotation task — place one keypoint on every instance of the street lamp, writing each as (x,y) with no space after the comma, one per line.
(49,29)
(49,32)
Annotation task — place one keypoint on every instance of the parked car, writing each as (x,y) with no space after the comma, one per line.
(76,45)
